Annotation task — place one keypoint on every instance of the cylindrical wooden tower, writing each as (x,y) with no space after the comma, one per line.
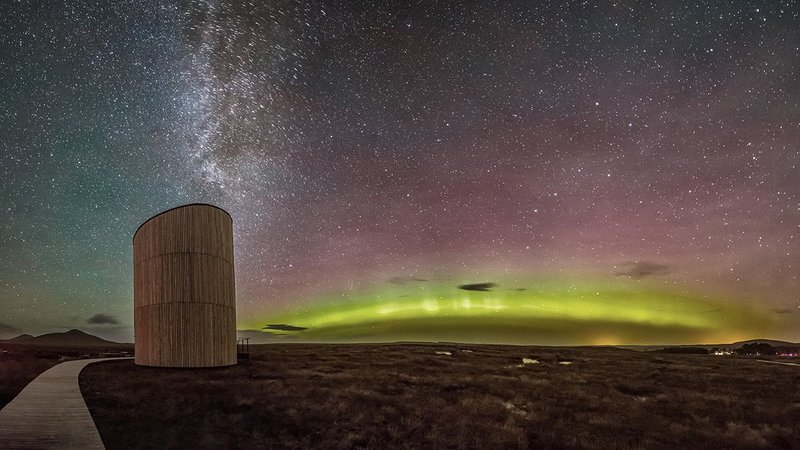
(183,288)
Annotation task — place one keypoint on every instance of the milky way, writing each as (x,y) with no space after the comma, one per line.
(375,156)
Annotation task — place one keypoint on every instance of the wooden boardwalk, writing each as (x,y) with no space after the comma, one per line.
(778,362)
(50,412)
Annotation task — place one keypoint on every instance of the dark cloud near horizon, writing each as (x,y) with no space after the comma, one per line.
(261,337)
(480,287)
(783,310)
(102,319)
(406,280)
(642,269)
(282,327)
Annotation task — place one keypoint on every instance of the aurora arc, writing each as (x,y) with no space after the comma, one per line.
(553,312)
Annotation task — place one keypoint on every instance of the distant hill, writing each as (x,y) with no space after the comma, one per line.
(21,337)
(71,338)
(771,342)
(686,350)
(734,345)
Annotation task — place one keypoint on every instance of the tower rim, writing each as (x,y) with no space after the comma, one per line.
(173,209)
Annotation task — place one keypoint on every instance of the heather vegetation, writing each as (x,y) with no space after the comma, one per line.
(18,368)
(449,396)
(20,363)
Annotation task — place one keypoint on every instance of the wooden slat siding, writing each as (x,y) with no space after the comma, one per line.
(185,335)
(166,277)
(202,229)
(183,289)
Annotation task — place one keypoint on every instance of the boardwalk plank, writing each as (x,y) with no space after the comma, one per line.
(50,412)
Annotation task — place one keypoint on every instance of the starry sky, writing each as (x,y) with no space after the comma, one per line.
(493,171)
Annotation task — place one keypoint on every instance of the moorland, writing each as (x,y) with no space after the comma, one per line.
(449,396)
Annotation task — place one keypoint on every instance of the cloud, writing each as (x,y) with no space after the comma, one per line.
(642,269)
(102,319)
(783,311)
(263,337)
(283,327)
(481,287)
(6,328)
(406,280)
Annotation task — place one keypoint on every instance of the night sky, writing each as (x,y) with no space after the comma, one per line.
(492,171)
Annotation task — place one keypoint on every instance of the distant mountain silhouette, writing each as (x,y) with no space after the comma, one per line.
(732,345)
(771,342)
(71,338)
(21,337)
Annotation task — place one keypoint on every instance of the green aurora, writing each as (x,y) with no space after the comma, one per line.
(556,312)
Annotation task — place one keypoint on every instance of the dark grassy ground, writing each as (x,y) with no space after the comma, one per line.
(21,363)
(407,396)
